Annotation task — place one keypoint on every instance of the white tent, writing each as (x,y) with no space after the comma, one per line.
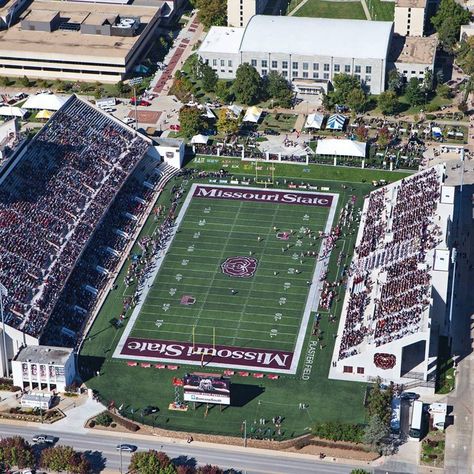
(334,147)
(252,114)
(8,111)
(314,121)
(44,102)
(200,139)
(235,109)
(208,113)
(336,122)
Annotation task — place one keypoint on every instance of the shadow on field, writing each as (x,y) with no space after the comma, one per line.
(244,393)
(184,460)
(89,366)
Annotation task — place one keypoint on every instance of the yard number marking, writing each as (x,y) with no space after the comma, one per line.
(282,301)
(196,235)
(273,332)
(291,271)
(166,306)
(191,248)
(179,277)
(202,222)
(172,291)
(207,210)
(287,286)
(184,262)
(158,323)
(306,217)
(278,316)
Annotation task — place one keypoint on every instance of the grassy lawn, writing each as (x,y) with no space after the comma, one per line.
(324,9)
(281,122)
(432,449)
(445,380)
(137,387)
(436,101)
(381,10)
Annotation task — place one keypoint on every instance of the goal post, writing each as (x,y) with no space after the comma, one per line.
(268,178)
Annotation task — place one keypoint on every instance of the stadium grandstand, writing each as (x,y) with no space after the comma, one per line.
(69,204)
(395,303)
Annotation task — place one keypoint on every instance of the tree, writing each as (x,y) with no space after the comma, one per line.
(375,432)
(212,12)
(443,91)
(208,77)
(278,88)
(226,125)
(64,458)
(395,81)
(17,452)
(4,81)
(379,401)
(361,133)
(428,83)
(25,82)
(344,84)
(388,102)
(103,419)
(247,85)
(359,471)
(223,91)
(208,469)
(413,92)
(151,462)
(191,121)
(449,17)
(357,100)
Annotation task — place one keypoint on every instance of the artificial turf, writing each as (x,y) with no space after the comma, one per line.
(133,388)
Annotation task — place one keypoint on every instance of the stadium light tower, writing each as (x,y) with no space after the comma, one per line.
(4,292)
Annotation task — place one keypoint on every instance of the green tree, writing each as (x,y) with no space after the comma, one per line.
(357,100)
(64,458)
(388,102)
(191,121)
(375,432)
(344,84)
(379,401)
(103,419)
(4,81)
(212,12)
(208,77)
(359,471)
(25,82)
(278,88)
(413,92)
(428,84)
(224,91)
(151,462)
(443,91)
(16,452)
(226,125)
(449,17)
(395,81)
(247,85)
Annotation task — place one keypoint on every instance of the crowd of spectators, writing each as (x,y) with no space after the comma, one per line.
(399,229)
(51,203)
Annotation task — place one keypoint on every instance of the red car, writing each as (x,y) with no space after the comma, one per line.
(176,128)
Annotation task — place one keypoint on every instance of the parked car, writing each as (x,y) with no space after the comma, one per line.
(149,410)
(42,438)
(176,128)
(130,448)
(410,396)
(270,131)
(144,103)
(128,120)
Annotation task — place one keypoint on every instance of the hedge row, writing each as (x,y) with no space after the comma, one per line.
(127,424)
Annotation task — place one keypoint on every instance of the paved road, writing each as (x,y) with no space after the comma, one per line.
(248,461)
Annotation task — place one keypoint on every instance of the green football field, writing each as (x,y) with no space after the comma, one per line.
(194,299)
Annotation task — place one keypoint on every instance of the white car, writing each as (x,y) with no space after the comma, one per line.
(128,120)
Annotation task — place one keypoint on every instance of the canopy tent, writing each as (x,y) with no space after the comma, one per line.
(235,109)
(314,121)
(44,101)
(44,114)
(334,147)
(8,111)
(336,122)
(208,113)
(436,132)
(200,139)
(252,114)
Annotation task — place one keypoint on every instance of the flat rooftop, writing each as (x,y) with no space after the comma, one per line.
(222,39)
(44,355)
(73,45)
(413,49)
(410,3)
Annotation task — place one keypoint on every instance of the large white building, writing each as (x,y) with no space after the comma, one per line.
(313,49)
(395,306)
(44,368)
(239,12)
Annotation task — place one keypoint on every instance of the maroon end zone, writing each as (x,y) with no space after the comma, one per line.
(263,195)
(184,352)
